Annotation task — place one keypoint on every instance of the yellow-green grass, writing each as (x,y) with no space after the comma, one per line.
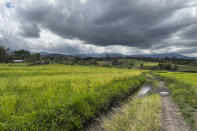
(59,97)
(141,114)
(190,78)
(183,87)
(139,62)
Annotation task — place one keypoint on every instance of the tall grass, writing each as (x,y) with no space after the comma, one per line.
(142,114)
(57,97)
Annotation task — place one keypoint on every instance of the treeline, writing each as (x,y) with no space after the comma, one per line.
(7,56)
(171,64)
(168,66)
(174,60)
(4,55)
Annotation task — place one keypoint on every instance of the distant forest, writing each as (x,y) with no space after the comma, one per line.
(174,64)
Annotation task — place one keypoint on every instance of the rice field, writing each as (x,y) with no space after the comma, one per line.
(190,78)
(59,97)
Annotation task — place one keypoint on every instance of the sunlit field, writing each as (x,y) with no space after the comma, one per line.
(190,78)
(58,96)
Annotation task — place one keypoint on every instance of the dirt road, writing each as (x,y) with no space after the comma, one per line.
(171,116)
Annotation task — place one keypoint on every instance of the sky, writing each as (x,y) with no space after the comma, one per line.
(100,26)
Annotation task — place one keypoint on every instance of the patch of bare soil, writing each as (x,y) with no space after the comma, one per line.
(159,89)
(171,116)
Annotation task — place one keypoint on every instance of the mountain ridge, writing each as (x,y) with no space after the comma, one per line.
(97,55)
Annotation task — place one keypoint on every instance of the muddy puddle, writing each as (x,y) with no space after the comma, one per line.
(143,90)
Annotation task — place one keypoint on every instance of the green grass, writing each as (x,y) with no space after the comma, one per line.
(141,114)
(190,78)
(58,97)
(139,62)
(15,64)
(187,68)
(183,87)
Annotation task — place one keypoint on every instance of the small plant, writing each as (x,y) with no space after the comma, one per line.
(141,65)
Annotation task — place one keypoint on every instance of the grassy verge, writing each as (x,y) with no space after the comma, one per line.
(184,94)
(142,114)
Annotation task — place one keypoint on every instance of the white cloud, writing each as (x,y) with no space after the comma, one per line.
(1,36)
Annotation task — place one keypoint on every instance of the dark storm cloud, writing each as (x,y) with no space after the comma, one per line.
(30,30)
(190,32)
(138,23)
(65,48)
(186,51)
(87,26)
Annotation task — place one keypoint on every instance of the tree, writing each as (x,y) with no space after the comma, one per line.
(34,57)
(163,66)
(141,65)
(115,62)
(170,67)
(22,54)
(37,55)
(176,67)
(108,57)
(4,54)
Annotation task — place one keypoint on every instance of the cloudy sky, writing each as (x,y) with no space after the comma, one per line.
(100,26)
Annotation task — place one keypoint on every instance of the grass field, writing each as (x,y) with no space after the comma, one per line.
(190,78)
(183,87)
(137,63)
(59,97)
(125,63)
(187,68)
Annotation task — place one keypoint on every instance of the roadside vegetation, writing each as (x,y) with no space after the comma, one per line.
(59,97)
(141,114)
(183,87)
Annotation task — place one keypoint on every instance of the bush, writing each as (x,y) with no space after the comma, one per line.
(168,66)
